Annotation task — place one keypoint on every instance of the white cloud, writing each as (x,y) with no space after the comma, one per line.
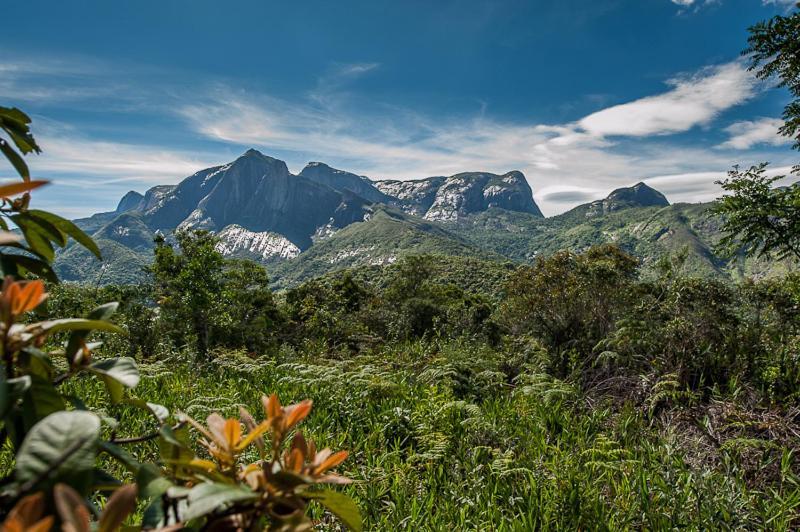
(684,3)
(748,133)
(693,101)
(786,3)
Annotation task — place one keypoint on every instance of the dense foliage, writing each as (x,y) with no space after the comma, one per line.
(580,394)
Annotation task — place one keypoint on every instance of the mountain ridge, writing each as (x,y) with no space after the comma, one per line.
(324,219)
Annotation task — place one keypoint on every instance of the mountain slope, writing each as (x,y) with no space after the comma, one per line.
(387,235)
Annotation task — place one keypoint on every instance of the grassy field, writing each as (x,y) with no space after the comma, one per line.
(442,439)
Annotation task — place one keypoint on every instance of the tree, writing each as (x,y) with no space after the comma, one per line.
(758,217)
(569,301)
(248,310)
(188,285)
(774,52)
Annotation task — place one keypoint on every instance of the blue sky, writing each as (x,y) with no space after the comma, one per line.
(581,95)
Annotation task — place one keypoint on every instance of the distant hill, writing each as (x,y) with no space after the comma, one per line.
(325,219)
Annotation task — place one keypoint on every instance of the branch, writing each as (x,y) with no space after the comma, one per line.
(146,437)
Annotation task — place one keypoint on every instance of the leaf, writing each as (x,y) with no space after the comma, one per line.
(71,509)
(151,483)
(36,362)
(40,400)
(78,339)
(37,242)
(16,161)
(43,227)
(77,324)
(70,229)
(60,448)
(7,237)
(28,515)
(16,266)
(117,374)
(10,391)
(340,505)
(119,506)
(160,412)
(13,188)
(122,456)
(208,497)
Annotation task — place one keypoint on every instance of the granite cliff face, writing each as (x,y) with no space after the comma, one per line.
(451,198)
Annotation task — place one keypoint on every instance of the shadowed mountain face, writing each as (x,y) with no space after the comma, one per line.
(130,202)
(255,192)
(341,180)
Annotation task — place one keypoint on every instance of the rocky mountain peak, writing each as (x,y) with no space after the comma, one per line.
(340,180)
(130,202)
(639,195)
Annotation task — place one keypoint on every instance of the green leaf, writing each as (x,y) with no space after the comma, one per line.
(340,505)
(104,312)
(16,161)
(60,448)
(210,496)
(78,338)
(70,229)
(17,265)
(41,226)
(122,456)
(151,483)
(37,242)
(118,374)
(79,324)
(36,362)
(160,412)
(40,400)
(10,392)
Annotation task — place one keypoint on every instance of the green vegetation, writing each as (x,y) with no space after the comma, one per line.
(580,395)
(583,389)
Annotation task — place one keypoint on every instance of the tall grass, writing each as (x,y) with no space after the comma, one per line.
(441,441)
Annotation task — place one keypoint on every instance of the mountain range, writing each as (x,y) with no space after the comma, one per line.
(323,219)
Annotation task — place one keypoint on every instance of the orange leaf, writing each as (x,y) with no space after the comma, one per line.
(233,433)
(331,462)
(254,434)
(272,406)
(12,189)
(297,413)
(295,461)
(71,509)
(27,516)
(119,506)
(30,296)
